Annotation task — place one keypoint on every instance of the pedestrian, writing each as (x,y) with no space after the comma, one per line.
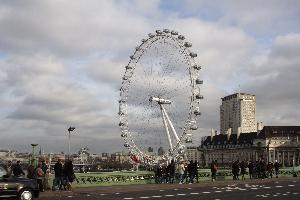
(172,172)
(9,168)
(213,169)
(243,166)
(17,169)
(40,177)
(181,170)
(45,168)
(190,169)
(270,169)
(251,169)
(235,170)
(276,167)
(196,171)
(31,171)
(58,173)
(69,174)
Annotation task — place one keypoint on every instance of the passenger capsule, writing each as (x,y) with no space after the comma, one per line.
(198,96)
(197,67)
(132,57)
(193,55)
(126,145)
(188,44)
(174,32)
(123,135)
(128,67)
(198,81)
(197,112)
(181,37)
(159,32)
(151,35)
(166,30)
(144,40)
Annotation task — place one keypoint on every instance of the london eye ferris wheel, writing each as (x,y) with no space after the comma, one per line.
(160,97)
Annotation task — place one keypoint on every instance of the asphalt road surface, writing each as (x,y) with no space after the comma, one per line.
(277,189)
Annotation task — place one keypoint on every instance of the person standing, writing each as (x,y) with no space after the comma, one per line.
(181,170)
(213,169)
(196,171)
(40,177)
(45,168)
(243,166)
(251,169)
(172,172)
(31,171)
(69,174)
(270,169)
(17,169)
(58,173)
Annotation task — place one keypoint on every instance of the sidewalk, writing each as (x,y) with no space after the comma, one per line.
(132,188)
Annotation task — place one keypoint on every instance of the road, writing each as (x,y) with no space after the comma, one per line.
(275,189)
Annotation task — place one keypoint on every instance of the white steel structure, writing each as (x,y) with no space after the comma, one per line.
(160,97)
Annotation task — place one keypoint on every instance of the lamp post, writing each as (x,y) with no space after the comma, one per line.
(70,129)
(33,154)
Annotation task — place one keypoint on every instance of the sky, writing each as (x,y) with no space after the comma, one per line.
(61,63)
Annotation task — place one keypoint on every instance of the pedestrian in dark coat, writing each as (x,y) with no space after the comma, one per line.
(17,169)
(276,167)
(213,169)
(251,169)
(58,172)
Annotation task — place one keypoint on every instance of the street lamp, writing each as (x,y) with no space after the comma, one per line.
(33,156)
(70,129)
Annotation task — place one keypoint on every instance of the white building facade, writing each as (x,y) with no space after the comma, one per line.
(238,114)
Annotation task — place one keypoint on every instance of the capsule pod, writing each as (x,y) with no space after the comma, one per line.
(193,55)
(166,30)
(198,81)
(197,112)
(199,96)
(197,67)
(151,35)
(188,44)
(144,40)
(181,37)
(174,32)
(132,57)
(126,145)
(128,67)
(124,135)
(158,32)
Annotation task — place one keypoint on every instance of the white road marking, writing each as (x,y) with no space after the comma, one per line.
(189,188)
(267,187)
(156,196)
(278,193)
(181,194)
(253,188)
(169,195)
(175,189)
(228,190)
(70,196)
(117,193)
(218,191)
(194,193)
(128,198)
(242,189)
(102,194)
(279,186)
(206,192)
(144,197)
(275,195)
(295,193)
(291,185)
(161,190)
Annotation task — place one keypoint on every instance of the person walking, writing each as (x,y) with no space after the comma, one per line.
(213,169)
(196,175)
(190,169)
(17,169)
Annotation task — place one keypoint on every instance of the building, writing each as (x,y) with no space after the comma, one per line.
(271,143)
(193,154)
(237,114)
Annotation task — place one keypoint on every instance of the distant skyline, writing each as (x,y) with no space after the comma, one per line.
(61,63)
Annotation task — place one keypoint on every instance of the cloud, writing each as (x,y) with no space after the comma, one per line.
(61,64)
